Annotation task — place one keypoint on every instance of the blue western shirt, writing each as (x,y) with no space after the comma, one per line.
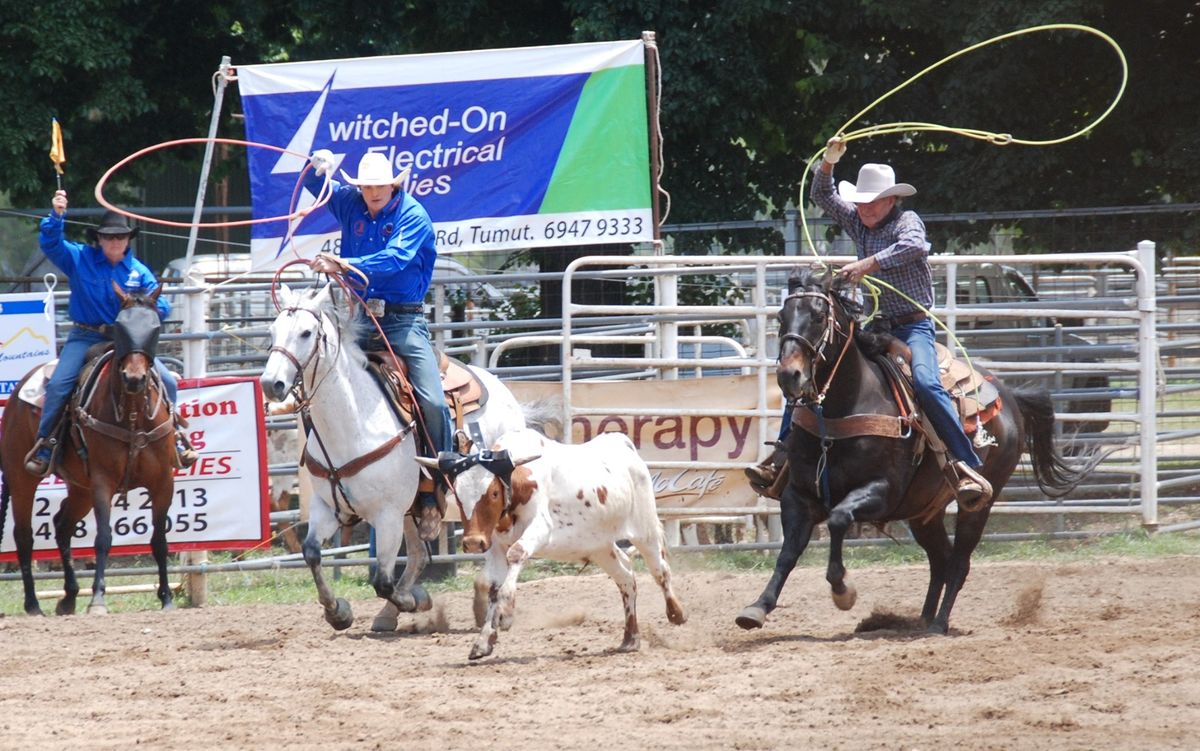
(898,244)
(396,249)
(93,300)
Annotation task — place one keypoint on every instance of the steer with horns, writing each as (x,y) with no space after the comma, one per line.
(530,496)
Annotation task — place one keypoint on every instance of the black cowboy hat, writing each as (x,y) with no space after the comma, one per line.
(111,223)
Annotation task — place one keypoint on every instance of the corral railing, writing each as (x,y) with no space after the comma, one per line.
(1092,337)
(1121,357)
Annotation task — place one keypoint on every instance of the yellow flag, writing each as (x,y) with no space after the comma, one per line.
(57,154)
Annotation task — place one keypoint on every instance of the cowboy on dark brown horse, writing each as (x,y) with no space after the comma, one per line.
(93,270)
(891,244)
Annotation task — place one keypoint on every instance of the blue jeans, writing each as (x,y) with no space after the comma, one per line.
(409,336)
(931,395)
(66,374)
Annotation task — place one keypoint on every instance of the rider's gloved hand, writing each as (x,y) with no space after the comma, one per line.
(834,149)
(322,161)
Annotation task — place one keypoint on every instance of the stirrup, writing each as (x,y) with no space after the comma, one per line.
(187,456)
(36,465)
(973,490)
(428,516)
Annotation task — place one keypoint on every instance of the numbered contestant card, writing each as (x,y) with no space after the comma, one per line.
(220,503)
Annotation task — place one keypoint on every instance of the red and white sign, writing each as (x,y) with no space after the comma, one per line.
(220,503)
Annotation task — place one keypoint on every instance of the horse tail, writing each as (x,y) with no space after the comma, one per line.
(1055,475)
(544,415)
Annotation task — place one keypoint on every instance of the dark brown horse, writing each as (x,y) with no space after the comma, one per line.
(125,438)
(872,478)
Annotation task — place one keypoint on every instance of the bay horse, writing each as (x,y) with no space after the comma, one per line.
(871,478)
(316,356)
(123,437)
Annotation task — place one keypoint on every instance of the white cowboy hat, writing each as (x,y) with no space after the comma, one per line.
(874,181)
(376,169)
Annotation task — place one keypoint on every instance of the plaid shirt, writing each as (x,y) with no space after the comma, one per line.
(898,243)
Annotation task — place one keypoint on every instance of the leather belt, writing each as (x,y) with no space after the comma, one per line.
(404,307)
(905,320)
(104,330)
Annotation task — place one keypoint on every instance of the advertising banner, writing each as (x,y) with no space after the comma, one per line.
(509,148)
(220,503)
(673,436)
(26,336)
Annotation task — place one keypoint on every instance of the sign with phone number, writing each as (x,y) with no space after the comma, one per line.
(219,503)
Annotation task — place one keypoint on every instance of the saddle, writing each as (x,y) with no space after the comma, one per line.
(976,398)
(34,390)
(974,395)
(465,393)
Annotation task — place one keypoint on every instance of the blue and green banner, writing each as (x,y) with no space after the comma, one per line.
(516,148)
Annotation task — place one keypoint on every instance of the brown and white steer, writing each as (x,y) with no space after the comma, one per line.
(532,497)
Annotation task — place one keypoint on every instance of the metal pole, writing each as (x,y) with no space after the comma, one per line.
(196,354)
(791,230)
(1147,384)
(668,331)
(222,79)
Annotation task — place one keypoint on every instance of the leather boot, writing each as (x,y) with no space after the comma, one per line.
(184,452)
(37,462)
(187,454)
(762,476)
(974,491)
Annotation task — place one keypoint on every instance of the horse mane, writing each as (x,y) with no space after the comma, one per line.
(349,327)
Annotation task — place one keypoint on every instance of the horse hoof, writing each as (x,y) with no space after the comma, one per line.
(631,644)
(168,605)
(675,612)
(384,624)
(846,599)
(64,608)
(342,616)
(422,599)
(479,650)
(97,610)
(752,617)
(940,629)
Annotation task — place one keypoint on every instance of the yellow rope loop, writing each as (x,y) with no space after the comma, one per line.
(998,139)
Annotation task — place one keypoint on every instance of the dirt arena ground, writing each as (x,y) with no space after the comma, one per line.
(1101,654)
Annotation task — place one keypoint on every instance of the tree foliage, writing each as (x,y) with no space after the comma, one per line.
(751,88)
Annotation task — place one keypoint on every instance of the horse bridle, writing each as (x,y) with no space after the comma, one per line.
(301,367)
(832,329)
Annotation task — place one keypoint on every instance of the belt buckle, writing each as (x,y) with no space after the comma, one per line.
(376,307)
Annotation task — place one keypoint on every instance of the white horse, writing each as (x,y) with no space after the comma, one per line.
(315,353)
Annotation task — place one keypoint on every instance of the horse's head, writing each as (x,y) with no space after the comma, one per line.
(135,337)
(813,326)
(308,323)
